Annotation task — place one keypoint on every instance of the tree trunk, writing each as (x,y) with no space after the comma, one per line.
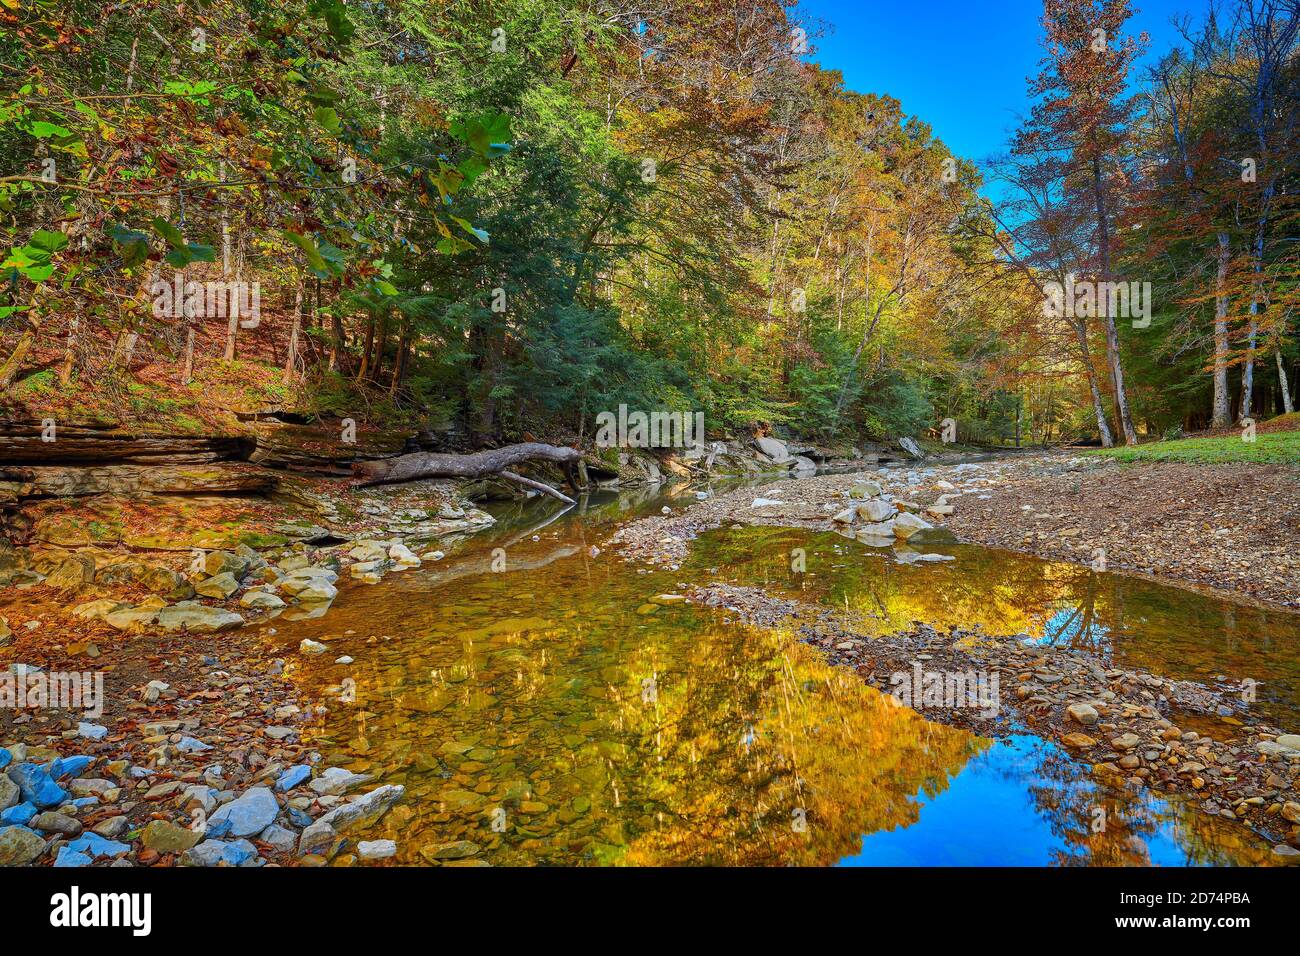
(1287,406)
(1222,415)
(1081,330)
(1112,335)
(291,363)
(477,465)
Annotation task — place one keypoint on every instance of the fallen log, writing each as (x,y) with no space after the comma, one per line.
(480,464)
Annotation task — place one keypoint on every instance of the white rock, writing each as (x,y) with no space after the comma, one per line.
(308,646)
(376,849)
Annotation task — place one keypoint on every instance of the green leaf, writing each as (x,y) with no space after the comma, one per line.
(479,234)
(315,262)
(170,233)
(51,242)
(43,130)
(328,118)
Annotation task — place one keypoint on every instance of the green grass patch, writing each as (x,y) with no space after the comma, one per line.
(1268,448)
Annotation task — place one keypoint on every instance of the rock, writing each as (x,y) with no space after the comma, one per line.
(364,811)
(262,600)
(112,828)
(1289,740)
(911,447)
(188,745)
(71,858)
(1078,741)
(317,591)
(37,786)
(337,781)
(308,646)
(281,839)
(876,510)
(128,618)
(94,845)
(73,574)
(866,489)
(292,777)
(96,610)
(376,849)
(19,813)
(245,816)
(220,853)
(217,563)
(52,822)
(847,516)
(164,837)
(9,795)
(197,619)
(6,757)
(404,556)
(1084,714)
(1291,811)
(773,448)
(907,524)
(219,586)
(458,850)
(91,731)
(1288,854)
(19,846)
(1126,741)
(319,839)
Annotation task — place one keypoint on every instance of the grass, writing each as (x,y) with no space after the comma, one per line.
(1268,448)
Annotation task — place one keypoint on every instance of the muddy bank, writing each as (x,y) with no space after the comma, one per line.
(1135,729)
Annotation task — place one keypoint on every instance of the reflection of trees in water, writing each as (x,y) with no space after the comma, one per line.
(1136,623)
(755,732)
(1064,794)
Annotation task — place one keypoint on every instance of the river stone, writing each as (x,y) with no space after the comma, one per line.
(847,516)
(1078,741)
(317,591)
(376,849)
(279,838)
(219,586)
(451,851)
(263,600)
(197,619)
(165,837)
(365,810)
(8,793)
(73,574)
(220,853)
(94,844)
(319,839)
(51,822)
(308,646)
(293,777)
(128,618)
(774,449)
(223,562)
(1291,811)
(37,786)
(876,510)
(907,524)
(866,489)
(245,816)
(932,536)
(1290,740)
(19,846)
(1084,714)
(337,780)
(1126,741)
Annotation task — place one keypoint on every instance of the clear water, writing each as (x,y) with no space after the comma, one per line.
(539,715)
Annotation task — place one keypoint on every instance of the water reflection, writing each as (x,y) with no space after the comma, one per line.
(1134,622)
(543,715)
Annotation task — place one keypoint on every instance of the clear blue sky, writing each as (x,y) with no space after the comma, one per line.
(959,65)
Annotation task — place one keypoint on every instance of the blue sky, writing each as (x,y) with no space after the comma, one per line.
(959,65)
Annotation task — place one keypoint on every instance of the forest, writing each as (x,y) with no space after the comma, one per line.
(499,218)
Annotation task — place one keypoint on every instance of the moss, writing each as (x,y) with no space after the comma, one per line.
(1275,448)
